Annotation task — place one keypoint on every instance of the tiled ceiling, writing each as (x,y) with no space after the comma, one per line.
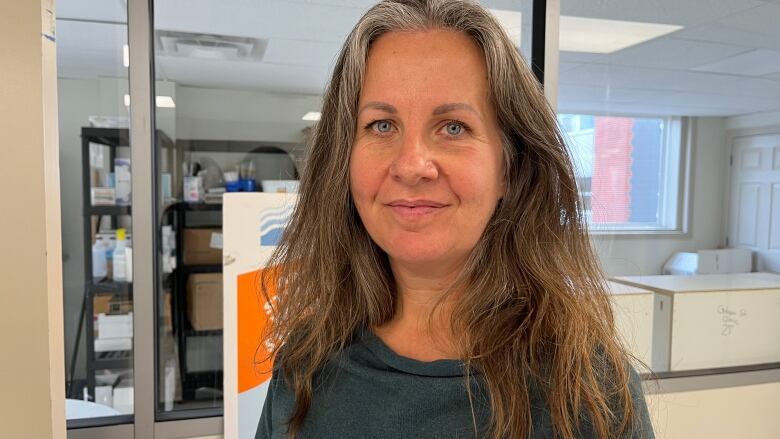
(724,61)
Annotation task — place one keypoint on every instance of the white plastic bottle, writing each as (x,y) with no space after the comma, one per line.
(120,259)
(99,263)
(129,261)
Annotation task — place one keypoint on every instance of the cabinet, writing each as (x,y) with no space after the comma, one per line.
(713,320)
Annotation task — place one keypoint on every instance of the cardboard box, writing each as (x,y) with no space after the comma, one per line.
(204,301)
(109,304)
(166,321)
(202,246)
(101,303)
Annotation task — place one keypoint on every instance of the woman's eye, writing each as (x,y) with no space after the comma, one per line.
(383,126)
(454,129)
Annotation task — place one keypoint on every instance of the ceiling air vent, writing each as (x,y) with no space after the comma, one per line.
(209,46)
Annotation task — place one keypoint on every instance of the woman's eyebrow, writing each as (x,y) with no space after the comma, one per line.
(382,106)
(446,108)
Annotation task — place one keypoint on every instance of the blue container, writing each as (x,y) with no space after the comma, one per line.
(232,186)
(248,185)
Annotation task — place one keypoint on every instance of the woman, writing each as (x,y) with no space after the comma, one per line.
(436,279)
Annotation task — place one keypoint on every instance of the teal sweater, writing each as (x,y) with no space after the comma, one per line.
(369,391)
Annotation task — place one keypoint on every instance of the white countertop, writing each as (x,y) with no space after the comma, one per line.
(617,289)
(670,284)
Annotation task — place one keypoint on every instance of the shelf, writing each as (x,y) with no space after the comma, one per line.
(108,210)
(114,360)
(107,136)
(211,268)
(199,207)
(117,288)
(196,145)
(203,333)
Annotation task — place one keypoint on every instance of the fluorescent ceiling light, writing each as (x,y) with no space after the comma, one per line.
(512,22)
(165,102)
(312,115)
(160,101)
(126,55)
(596,35)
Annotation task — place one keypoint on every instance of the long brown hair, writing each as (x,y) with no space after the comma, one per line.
(532,298)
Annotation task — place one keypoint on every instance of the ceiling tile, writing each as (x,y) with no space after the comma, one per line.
(301,53)
(763,20)
(686,13)
(719,33)
(673,53)
(255,76)
(258,19)
(115,10)
(91,36)
(758,62)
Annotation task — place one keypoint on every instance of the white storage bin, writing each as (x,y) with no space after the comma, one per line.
(715,320)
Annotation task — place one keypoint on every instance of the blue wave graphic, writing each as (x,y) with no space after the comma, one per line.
(272,224)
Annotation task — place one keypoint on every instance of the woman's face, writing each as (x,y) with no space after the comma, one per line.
(426,169)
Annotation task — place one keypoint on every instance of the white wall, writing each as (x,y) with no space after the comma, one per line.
(724,413)
(645,254)
(755,120)
(32,403)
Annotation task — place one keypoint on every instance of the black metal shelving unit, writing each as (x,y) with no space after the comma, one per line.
(177,215)
(112,138)
(183,330)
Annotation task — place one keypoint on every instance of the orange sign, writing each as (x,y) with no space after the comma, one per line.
(254,360)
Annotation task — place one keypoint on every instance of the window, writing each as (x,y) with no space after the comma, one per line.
(628,170)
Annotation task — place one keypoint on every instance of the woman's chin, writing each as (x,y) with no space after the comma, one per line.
(423,256)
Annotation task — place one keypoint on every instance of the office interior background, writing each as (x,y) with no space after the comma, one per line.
(671,110)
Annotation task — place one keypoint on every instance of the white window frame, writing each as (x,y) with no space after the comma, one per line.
(673,205)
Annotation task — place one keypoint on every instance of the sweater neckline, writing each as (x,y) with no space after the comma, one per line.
(436,368)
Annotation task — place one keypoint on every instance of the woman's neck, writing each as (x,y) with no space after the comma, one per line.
(420,328)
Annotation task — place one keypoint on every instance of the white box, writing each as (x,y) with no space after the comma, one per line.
(123,400)
(114,326)
(122,181)
(633,310)
(103,196)
(113,344)
(193,189)
(716,320)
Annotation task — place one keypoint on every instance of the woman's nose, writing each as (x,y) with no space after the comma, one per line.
(413,163)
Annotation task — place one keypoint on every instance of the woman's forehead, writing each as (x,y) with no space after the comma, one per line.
(436,67)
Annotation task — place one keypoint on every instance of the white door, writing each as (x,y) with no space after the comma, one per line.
(754,212)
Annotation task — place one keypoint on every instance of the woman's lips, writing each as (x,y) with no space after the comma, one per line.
(415,210)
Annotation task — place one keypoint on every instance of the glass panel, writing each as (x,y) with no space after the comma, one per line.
(671,112)
(95,172)
(238,86)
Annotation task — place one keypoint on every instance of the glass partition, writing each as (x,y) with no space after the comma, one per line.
(242,85)
(96,199)
(671,111)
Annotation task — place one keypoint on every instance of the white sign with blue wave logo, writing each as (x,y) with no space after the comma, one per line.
(253,225)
